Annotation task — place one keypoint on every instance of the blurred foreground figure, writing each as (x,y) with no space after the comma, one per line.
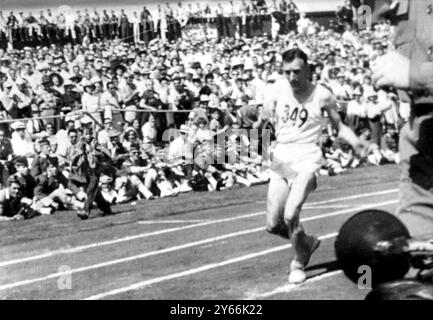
(414,80)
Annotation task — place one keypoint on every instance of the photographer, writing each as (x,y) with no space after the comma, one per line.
(414,78)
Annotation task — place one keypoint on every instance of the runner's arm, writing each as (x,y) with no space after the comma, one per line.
(329,104)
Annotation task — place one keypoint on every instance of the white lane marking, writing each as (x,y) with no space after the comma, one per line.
(129,238)
(170,230)
(207,267)
(357,196)
(131,258)
(335,206)
(189,272)
(170,221)
(359,208)
(291,287)
(171,249)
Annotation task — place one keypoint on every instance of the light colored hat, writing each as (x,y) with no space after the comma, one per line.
(86,120)
(20,81)
(153,42)
(129,129)
(272,78)
(357,92)
(9,84)
(270,50)
(257,47)
(18,125)
(68,83)
(204,98)
(43,66)
(87,83)
(105,179)
(246,77)
(184,129)
(113,133)
(223,105)
(190,70)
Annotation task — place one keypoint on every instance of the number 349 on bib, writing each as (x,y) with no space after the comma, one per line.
(298,116)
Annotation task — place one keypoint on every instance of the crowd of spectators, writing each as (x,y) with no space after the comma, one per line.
(152,119)
(64,26)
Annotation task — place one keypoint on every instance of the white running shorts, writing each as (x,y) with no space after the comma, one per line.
(288,160)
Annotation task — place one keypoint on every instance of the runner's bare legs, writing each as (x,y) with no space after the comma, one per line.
(284,206)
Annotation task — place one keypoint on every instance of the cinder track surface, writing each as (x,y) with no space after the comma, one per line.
(194,246)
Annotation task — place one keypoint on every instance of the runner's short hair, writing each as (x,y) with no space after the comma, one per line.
(292,54)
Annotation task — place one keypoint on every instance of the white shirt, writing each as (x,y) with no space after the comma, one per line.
(108,101)
(178,149)
(22,147)
(91,102)
(149,133)
(104,138)
(357,109)
(6,100)
(341,91)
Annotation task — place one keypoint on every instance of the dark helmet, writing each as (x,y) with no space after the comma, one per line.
(356,243)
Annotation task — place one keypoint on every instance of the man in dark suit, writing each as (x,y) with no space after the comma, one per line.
(26,180)
(12,206)
(40,163)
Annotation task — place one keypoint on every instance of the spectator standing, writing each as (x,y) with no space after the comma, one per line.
(89,161)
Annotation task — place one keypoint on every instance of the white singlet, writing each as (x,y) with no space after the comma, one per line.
(296,122)
(298,128)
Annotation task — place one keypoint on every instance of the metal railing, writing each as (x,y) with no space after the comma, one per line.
(83,112)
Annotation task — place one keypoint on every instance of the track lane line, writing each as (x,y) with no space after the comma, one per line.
(174,229)
(171,221)
(180,247)
(335,206)
(142,284)
(292,287)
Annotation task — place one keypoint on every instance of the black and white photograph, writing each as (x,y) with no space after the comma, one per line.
(216,150)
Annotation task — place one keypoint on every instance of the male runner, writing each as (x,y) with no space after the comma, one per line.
(296,110)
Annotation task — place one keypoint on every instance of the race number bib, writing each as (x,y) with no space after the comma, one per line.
(295,116)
